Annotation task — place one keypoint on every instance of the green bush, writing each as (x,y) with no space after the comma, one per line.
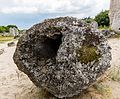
(6,28)
(102,18)
(12,26)
(3,29)
(88,19)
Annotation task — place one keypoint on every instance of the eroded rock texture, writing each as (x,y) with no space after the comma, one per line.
(63,55)
(114,14)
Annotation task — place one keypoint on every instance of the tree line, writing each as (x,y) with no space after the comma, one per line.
(6,28)
(101,18)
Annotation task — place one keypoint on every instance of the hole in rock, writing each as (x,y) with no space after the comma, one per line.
(48,47)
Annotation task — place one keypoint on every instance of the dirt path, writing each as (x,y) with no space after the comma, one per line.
(16,85)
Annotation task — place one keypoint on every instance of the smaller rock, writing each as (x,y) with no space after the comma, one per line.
(1,51)
(11,44)
(94,24)
(108,33)
(14,31)
(16,37)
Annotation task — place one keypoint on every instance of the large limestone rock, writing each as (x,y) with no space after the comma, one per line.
(116,22)
(94,24)
(114,15)
(14,31)
(63,55)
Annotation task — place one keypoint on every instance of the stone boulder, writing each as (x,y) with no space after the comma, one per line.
(2,51)
(94,24)
(116,22)
(11,44)
(63,55)
(108,33)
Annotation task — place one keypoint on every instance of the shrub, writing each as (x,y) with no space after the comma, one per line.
(102,18)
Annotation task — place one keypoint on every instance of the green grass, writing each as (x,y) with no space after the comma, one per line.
(116,36)
(115,74)
(87,54)
(104,90)
(5,39)
(103,27)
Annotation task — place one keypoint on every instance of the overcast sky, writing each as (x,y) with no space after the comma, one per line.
(25,13)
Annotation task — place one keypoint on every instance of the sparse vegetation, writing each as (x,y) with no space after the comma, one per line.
(6,28)
(5,38)
(103,89)
(104,28)
(115,74)
(88,19)
(102,18)
(87,54)
(117,35)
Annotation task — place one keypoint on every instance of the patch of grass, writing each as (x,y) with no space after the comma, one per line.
(117,35)
(5,38)
(87,54)
(115,74)
(103,27)
(102,89)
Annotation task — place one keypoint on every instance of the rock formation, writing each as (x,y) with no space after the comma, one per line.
(14,31)
(11,44)
(94,24)
(1,51)
(63,55)
(114,15)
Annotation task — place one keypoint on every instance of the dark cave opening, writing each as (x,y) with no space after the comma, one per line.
(48,47)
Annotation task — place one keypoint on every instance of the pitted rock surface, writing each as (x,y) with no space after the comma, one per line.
(63,55)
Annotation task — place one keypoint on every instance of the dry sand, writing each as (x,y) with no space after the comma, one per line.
(16,85)
(13,83)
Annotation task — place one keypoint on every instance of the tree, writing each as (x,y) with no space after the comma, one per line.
(6,28)
(102,18)
(2,29)
(12,26)
(88,19)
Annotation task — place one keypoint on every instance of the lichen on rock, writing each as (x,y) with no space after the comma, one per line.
(48,54)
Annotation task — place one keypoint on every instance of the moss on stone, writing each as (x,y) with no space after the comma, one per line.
(87,54)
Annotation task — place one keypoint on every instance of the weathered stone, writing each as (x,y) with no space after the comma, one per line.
(1,51)
(94,24)
(14,31)
(108,33)
(11,44)
(114,15)
(63,55)
(116,22)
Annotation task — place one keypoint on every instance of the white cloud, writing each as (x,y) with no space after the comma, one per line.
(8,10)
(67,7)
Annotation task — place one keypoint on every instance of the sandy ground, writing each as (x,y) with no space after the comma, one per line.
(13,83)
(115,63)
(115,45)
(16,85)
